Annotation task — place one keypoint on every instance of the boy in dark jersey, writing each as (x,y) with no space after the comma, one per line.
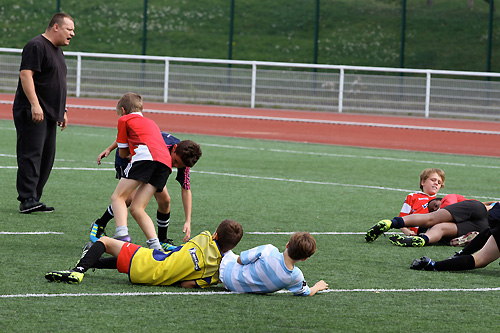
(194,264)
(479,253)
(179,150)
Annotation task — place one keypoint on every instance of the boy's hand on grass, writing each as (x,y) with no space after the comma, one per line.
(321,285)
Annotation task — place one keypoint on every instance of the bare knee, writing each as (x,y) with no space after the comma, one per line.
(135,210)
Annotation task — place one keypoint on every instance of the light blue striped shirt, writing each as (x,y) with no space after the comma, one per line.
(263,271)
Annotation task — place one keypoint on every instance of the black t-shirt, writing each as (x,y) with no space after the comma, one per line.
(49,65)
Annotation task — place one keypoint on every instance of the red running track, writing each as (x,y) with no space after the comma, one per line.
(408,133)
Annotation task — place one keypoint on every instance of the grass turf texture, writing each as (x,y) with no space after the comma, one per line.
(447,35)
(267,186)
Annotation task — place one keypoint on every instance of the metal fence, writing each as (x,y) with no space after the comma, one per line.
(330,88)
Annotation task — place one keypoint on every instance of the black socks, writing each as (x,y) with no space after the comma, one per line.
(91,257)
(397,223)
(106,217)
(459,263)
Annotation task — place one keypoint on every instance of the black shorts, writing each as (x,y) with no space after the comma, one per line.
(120,171)
(469,215)
(150,172)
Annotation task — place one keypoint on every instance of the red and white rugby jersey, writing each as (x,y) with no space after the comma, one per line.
(416,203)
(144,139)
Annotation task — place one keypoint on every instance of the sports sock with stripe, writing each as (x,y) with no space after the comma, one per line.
(162,221)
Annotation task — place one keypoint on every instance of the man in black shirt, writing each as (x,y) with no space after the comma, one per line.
(39,107)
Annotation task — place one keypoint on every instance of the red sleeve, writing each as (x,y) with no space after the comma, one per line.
(122,137)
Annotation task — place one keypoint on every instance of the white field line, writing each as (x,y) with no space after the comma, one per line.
(212,293)
(32,233)
(285,151)
(393,159)
(272,179)
(250,233)
(313,233)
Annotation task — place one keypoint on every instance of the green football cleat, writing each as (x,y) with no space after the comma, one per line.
(377,230)
(71,277)
(407,241)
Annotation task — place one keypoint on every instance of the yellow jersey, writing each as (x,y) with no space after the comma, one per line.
(197,260)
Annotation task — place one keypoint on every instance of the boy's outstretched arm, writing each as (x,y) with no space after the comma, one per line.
(187,203)
(320,285)
(106,152)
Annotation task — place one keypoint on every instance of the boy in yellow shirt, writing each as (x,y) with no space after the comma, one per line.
(194,264)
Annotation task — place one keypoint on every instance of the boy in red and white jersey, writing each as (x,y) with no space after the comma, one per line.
(149,168)
(431,181)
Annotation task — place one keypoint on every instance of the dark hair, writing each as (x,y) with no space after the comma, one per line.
(229,234)
(130,102)
(189,152)
(301,245)
(59,19)
(433,200)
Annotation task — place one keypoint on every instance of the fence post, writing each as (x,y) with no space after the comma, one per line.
(427,93)
(78,74)
(254,82)
(341,89)
(165,83)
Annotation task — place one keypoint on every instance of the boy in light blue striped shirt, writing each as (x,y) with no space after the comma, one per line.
(264,269)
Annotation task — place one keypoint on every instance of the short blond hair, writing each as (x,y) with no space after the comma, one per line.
(426,174)
(130,102)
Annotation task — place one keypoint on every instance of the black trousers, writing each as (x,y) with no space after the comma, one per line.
(36,150)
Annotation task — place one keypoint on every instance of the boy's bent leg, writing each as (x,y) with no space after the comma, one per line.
(487,254)
(428,220)
(90,259)
(476,244)
(118,199)
(137,208)
(440,230)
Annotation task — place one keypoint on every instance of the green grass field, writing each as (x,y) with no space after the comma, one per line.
(272,188)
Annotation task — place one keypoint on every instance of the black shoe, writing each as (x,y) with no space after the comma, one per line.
(457,254)
(44,208)
(423,264)
(29,205)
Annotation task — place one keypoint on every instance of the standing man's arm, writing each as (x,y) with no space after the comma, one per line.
(28,84)
(187,202)
(63,123)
